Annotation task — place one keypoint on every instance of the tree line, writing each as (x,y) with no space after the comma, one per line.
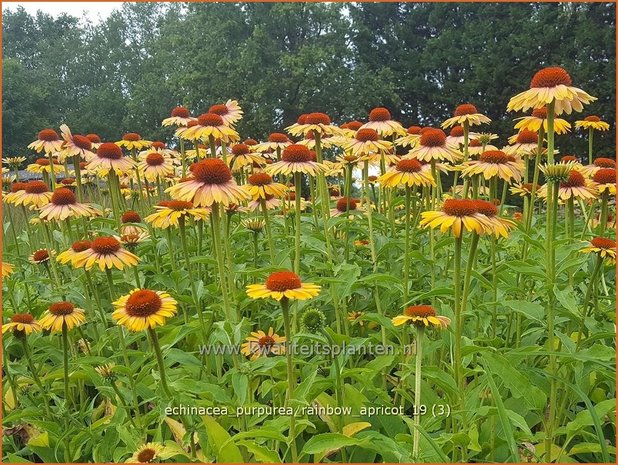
(279,60)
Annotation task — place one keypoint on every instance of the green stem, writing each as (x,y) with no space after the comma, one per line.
(590,136)
(216,238)
(196,299)
(285,308)
(123,403)
(406,252)
(157,348)
(65,350)
(458,362)
(604,212)
(269,234)
(466,132)
(34,373)
(78,177)
(297,180)
(417,391)
(587,298)
(552,197)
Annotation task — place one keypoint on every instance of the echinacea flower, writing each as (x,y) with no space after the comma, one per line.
(155,166)
(13,162)
(270,203)
(432,146)
(75,145)
(260,185)
(109,157)
(522,143)
(208,125)
(597,164)
(523,190)
(313,122)
(230,111)
(63,204)
(381,121)
(255,225)
(538,119)
(133,141)
(43,165)
(168,213)
(261,344)
(243,156)
(466,113)
(60,314)
(606,180)
(344,205)
(494,163)
(407,172)
(211,182)
(494,224)
(72,252)
(22,323)
(326,142)
(456,215)
(147,453)
(592,122)
(7,269)
(413,135)
(603,247)
(143,309)
(422,316)
(282,284)
(276,140)
(456,136)
(35,195)
(40,256)
(476,147)
(366,141)
(180,116)
(15,194)
(47,141)
(574,186)
(106,252)
(132,240)
(552,84)
(106,371)
(295,158)
(94,139)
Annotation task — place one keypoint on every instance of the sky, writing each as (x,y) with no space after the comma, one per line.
(95,11)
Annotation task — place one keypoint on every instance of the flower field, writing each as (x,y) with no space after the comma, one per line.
(355,291)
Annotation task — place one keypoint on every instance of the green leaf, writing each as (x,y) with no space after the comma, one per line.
(514,381)
(504,420)
(218,439)
(240,382)
(323,442)
(13,458)
(261,453)
(529,309)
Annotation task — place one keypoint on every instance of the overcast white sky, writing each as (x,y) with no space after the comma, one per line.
(94,10)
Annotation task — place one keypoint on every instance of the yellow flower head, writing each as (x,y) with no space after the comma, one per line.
(142,309)
(466,112)
(603,247)
(592,122)
(60,314)
(422,316)
(22,324)
(283,284)
(262,344)
(549,85)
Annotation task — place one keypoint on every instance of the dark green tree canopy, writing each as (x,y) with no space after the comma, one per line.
(281,59)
